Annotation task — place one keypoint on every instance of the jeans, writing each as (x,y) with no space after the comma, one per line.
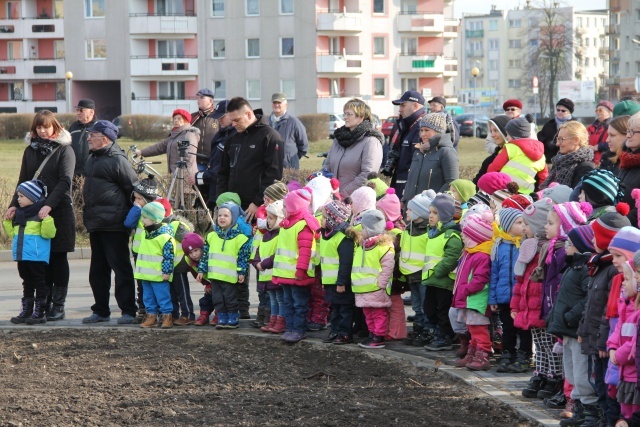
(157,297)
(341,319)
(296,300)
(276,297)
(418,293)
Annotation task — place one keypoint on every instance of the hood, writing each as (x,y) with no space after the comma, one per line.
(63,139)
(441,140)
(260,122)
(184,128)
(532,148)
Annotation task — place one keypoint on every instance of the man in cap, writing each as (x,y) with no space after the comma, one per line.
(438,104)
(290,129)
(404,139)
(86,114)
(208,126)
(108,185)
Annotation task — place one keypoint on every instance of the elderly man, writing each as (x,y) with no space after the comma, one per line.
(208,125)
(109,179)
(86,114)
(252,159)
(290,129)
(404,139)
(438,104)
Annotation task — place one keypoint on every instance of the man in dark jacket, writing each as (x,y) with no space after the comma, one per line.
(208,125)
(108,185)
(404,138)
(252,159)
(86,113)
(291,130)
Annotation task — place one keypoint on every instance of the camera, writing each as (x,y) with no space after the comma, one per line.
(183,144)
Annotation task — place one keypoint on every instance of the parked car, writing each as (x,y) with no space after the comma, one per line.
(388,124)
(473,125)
(335,121)
(377,123)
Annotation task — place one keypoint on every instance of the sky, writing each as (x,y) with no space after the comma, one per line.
(475,6)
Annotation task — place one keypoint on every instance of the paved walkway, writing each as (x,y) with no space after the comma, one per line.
(505,387)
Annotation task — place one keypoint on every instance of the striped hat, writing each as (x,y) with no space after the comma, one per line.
(507,217)
(478,228)
(276,191)
(608,225)
(33,190)
(336,213)
(626,241)
(517,201)
(582,238)
(480,198)
(153,211)
(602,188)
(572,214)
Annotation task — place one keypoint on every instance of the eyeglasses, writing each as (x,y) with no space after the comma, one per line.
(349,114)
(559,110)
(631,132)
(562,139)
(511,109)
(94,135)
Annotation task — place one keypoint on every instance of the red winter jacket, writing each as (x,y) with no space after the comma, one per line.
(598,134)
(531,148)
(527,299)
(305,239)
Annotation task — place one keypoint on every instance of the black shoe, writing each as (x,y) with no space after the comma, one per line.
(25,312)
(343,339)
(578,416)
(534,385)
(330,338)
(58,298)
(522,363)
(55,313)
(406,300)
(411,318)
(550,389)
(244,314)
(592,416)
(439,344)
(558,401)
(504,362)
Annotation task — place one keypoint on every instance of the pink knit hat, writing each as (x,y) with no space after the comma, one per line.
(478,228)
(572,214)
(390,205)
(297,200)
(493,181)
(363,199)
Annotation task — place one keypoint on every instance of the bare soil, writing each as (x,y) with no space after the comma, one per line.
(125,377)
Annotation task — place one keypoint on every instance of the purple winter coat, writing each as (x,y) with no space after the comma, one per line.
(478,265)
(552,279)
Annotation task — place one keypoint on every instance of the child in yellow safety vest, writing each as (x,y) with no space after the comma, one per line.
(154,266)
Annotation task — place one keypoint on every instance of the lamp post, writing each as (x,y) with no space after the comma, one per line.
(69,75)
(474,72)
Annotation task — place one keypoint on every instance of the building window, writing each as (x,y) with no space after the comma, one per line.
(637,66)
(170,48)
(586,42)
(220,89)
(96,49)
(94,8)
(16,91)
(286,46)
(586,61)
(533,42)
(514,83)
(515,63)
(286,7)
(409,7)
(515,23)
(217,8)
(58,49)
(252,7)
(378,6)
(218,48)
(288,87)
(409,45)
(253,89)
(380,87)
(253,48)
(493,44)
(514,44)
(408,84)
(580,22)
(171,90)
(61,91)
(493,64)
(493,25)
(379,46)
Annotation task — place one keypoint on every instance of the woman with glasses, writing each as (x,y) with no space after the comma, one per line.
(629,173)
(598,130)
(616,138)
(574,159)
(564,110)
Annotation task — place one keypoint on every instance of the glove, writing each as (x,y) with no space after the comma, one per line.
(387,171)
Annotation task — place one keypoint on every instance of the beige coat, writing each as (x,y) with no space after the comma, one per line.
(170,147)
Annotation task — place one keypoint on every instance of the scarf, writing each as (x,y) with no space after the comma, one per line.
(498,237)
(565,164)
(537,275)
(528,250)
(28,212)
(561,121)
(43,146)
(629,160)
(616,292)
(346,138)
(599,260)
(484,247)
(555,243)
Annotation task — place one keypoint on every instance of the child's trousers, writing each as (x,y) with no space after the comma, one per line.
(224,296)
(296,303)
(276,298)
(318,309)
(157,297)
(548,363)
(576,371)
(376,318)
(342,319)
(32,274)
(181,296)
(437,302)
(397,323)
(510,333)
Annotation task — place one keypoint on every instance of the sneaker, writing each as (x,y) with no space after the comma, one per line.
(375,342)
(330,338)
(522,363)
(294,337)
(314,327)
(343,339)
(126,319)
(96,318)
(285,336)
(439,344)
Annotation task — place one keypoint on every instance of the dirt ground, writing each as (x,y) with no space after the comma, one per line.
(213,378)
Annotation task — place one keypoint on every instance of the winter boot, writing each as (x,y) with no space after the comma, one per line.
(259,322)
(140,315)
(149,321)
(280,326)
(480,361)
(462,362)
(549,390)
(271,324)
(534,385)
(203,319)
(167,321)
(504,361)
(56,311)
(464,345)
(558,401)
(578,416)
(25,312)
(234,320)
(39,314)
(223,320)
(593,416)
(522,363)
(214,319)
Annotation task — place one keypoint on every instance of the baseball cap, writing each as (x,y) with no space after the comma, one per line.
(278,97)
(205,92)
(438,99)
(106,128)
(220,109)
(410,95)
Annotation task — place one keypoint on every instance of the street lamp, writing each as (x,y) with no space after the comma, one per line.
(69,75)
(474,72)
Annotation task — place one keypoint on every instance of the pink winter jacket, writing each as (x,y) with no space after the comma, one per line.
(379,298)
(623,339)
(477,264)
(305,239)
(527,299)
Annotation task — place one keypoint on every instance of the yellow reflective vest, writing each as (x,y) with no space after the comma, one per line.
(149,260)
(222,263)
(521,168)
(413,253)
(138,237)
(267,249)
(286,259)
(367,267)
(329,260)
(435,251)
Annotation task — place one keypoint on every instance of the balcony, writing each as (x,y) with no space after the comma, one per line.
(29,106)
(333,104)
(33,69)
(428,64)
(335,22)
(161,107)
(346,64)
(475,53)
(429,23)
(450,67)
(31,28)
(145,65)
(144,24)
(451,28)
(603,51)
(474,34)
(613,29)
(613,81)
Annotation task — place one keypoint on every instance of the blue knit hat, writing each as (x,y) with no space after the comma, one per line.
(419,205)
(235,210)
(507,217)
(626,241)
(582,238)
(602,187)
(33,190)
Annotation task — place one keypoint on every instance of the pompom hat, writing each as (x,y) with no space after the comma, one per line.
(320,189)
(608,225)
(390,205)
(493,181)
(478,228)
(572,214)
(276,191)
(336,213)
(602,187)
(517,201)
(379,186)
(147,188)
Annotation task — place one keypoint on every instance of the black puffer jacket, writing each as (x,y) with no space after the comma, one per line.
(78,131)
(567,311)
(629,174)
(108,185)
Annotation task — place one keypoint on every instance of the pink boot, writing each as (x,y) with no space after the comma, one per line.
(279,327)
(271,324)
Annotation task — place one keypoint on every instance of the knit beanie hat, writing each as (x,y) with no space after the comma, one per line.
(567,103)
(517,201)
(636,260)
(373,222)
(559,193)
(147,188)
(297,201)
(445,205)
(457,210)
(390,205)
(435,121)
(465,188)
(276,191)
(363,199)
(626,241)
(512,103)
(191,241)
(276,209)
(228,197)
(478,209)
(184,113)
(626,108)
(236,211)
(492,181)
(608,225)
(500,122)
(508,217)
(480,198)
(572,214)
(478,228)
(500,196)
(519,128)
(582,238)
(33,190)
(166,204)
(536,216)
(153,211)
(419,205)
(336,213)
(320,189)
(602,188)
(606,104)
(379,186)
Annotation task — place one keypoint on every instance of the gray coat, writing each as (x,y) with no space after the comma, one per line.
(294,135)
(170,147)
(352,165)
(434,169)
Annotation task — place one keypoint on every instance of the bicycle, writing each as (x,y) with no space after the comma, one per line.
(140,165)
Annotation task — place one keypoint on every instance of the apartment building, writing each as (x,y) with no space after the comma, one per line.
(624,52)
(151,56)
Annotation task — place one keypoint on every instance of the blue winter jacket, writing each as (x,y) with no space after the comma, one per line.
(402,151)
(295,139)
(503,278)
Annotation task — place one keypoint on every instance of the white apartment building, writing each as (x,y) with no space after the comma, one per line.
(152,56)
(624,53)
